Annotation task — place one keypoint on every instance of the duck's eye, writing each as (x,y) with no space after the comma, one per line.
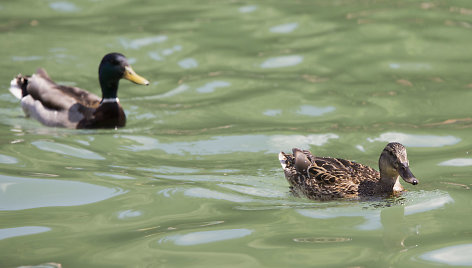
(403,166)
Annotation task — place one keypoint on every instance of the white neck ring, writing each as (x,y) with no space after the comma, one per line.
(110,100)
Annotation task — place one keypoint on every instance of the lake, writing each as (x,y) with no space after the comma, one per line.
(194,179)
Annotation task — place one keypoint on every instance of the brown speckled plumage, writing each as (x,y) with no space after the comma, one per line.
(325,178)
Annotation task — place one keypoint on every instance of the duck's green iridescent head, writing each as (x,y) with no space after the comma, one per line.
(113,67)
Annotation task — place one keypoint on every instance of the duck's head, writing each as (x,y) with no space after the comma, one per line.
(113,67)
(393,162)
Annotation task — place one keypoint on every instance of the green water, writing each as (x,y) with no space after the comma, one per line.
(194,179)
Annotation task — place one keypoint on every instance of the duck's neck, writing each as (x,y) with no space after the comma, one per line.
(388,183)
(109,89)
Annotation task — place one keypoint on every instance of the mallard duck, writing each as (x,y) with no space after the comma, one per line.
(65,106)
(326,178)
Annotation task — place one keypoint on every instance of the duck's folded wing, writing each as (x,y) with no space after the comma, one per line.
(57,97)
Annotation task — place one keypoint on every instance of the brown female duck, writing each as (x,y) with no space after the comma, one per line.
(325,178)
(64,106)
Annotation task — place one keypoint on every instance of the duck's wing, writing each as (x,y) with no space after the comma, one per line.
(53,104)
(54,96)
(326,178)
(335,170)
(68,118)
(330,178)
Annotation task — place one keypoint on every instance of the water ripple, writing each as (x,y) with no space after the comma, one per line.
(64,7)
(197,238)
(23,193)
(255,191)
(247,9)
(210,87)
(226,144)
(315,110)
(282,61)
(129,214)
(21,231)
(457,162)
(415,202)
(426,201)
(458,255)
(414,140)
(5,159)
(410,66)
(176,91)
(188,63)
(170,170)
(26,58)
(159,55)
(273,112)
(210,194)
(168,192)
(114,176)
(284,28)
(142,42)
(322,239)
(66,150)
(372,217)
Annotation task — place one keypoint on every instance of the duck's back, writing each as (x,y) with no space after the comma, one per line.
(55,96)
(330,178)
(53,104)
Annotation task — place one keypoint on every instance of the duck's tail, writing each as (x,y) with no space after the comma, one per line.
(15,89)
(18,86)
(283,159)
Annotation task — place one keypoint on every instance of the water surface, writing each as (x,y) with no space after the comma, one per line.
(194,179)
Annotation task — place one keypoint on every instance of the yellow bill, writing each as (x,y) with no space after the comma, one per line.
(132,76)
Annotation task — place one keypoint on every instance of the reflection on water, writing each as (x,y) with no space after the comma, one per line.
(210,87)
(161,54)
(314,110)
(247,9)
(44,265)
(26,58)
(372,217)
(422,201)
(413,140)
(284,28)
(410,66)
(458,255)
(64,7)
(205,237)
(21,231)
(176,91)
(360,148)
(205,193)
(196,167)
(272,112)
(255,191)
(67,150)
(114,176)
(225,144)
(322,239)
(142,42)
(282,61)
(188,63)
(457,162)
(22,193)
(414,202)
(170,170)
(5,159)
(129,214)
